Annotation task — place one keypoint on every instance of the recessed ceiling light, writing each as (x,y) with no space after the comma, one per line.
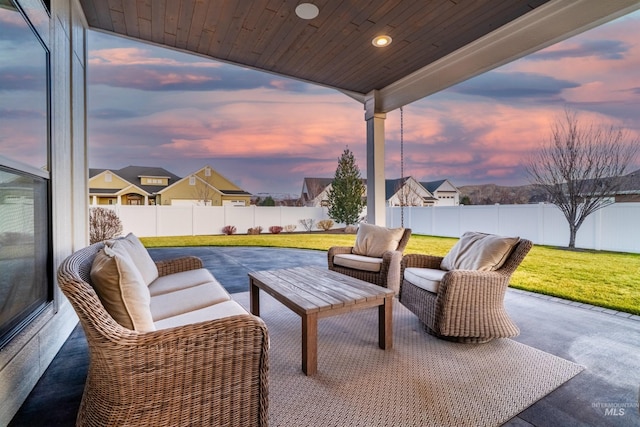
(381,41)
(307,10)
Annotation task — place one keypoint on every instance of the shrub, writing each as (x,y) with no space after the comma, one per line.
(290,228)
(104,224)
(307,223)
(255,230)
(229,230)
(352,229)
(325,224)
(275,229)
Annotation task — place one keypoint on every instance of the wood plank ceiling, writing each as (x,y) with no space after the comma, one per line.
(334,49)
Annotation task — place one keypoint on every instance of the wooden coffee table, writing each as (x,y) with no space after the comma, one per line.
(314,293)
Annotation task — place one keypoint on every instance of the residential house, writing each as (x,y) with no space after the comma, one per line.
(629,188)
(132,185)
(315,191)
(408,192)
(142,185)
(444,191)
(204,187)
(398,192)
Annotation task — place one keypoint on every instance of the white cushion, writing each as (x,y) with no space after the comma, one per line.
(189,299)
(121,288)
(358,262)
(373,240)
(479,251)
(216,311)
(140,257)
(425,278)
(181,280)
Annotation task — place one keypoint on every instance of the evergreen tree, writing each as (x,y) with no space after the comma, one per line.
(347,190)
(268,201)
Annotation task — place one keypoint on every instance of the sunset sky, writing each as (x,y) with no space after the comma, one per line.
(149,106)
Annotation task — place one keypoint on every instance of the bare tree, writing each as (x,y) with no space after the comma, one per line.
(104,224)
(408,194)
(580,167)
(203,190)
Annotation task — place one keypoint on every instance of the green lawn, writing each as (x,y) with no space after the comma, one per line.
(605,279)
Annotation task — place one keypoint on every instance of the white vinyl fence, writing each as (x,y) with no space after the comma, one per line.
(614,228)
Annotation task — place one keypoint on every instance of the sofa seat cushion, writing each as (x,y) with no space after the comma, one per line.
(424,278)
(373,240)
(358,262)
(188,299)
(479,251)
(181,280)
(121,288)
(212,312)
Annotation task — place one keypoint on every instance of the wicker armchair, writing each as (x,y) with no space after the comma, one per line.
(211,373)
(388,275)
(469,305)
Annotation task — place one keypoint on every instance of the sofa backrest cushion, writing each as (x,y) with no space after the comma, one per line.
(373,240)
(140,257)
(121,288)
(479,251)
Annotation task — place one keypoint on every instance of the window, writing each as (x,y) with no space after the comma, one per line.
(108,177)
(26,282)
(192,180)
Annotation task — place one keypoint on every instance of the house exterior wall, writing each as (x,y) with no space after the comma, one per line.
(203,187)
(101,181)
(183,191)
(25,358)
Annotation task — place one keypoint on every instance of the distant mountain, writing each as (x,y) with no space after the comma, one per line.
(490,194)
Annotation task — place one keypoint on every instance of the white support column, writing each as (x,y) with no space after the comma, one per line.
(376,211)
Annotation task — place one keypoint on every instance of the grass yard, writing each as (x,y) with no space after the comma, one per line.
(604,279)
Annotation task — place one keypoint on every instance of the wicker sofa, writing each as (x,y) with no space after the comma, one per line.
(463,304)
(205,361)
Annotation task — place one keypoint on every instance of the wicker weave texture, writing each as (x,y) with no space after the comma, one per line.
(212,373)
(389,275)
(469,305)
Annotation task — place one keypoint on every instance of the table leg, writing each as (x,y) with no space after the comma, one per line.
(385,324)
(254,298)
(310,343)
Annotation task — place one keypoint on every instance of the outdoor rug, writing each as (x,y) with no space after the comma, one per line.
(421,381)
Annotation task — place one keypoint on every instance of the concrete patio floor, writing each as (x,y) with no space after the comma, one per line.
(605,342)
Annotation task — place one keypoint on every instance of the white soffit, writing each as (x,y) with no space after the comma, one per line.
(544,26)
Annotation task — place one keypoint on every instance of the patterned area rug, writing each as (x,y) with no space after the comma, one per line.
(422,381)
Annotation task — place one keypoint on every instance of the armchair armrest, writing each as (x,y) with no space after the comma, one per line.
(392,270)
(421,261)
(335,250)
(470,303)
(177,265)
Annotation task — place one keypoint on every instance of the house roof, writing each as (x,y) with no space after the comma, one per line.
(435,44)
(133,175)
(432,186)
(391,186)
(234,192)
(630,183)
(314,187)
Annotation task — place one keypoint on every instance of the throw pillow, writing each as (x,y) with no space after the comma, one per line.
(479,251)
(121,288)
(373,240)
(140,257)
